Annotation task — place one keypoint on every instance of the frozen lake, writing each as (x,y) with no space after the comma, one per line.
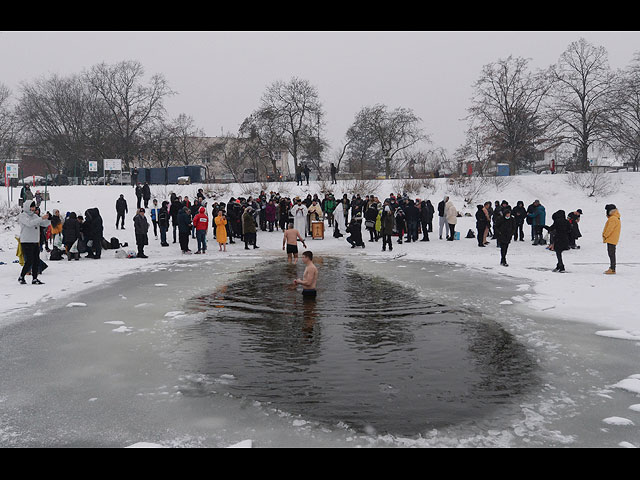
(392,353)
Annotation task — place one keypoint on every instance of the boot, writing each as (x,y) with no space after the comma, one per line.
(610,272)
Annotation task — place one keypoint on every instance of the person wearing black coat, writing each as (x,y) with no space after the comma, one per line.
(355,229)
(146,194)
(139,195)
(70,234)
(95,232)
(184,228)
(401,224)
(121,210)
(174,210)
(519,213)
(481,224)
(195,209)
(412,215)
(141,228)
(561,229)
(574,220)
(370,217)
(530,209)
(163,223)
(504,226)
(427,217)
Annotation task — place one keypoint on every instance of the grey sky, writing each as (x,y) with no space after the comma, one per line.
(220,76)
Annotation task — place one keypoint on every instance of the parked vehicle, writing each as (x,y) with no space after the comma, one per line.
(31,180)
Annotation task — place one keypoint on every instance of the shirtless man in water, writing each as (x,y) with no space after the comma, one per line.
(291,237)
(310,276)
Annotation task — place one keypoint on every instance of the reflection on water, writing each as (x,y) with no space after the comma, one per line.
(366,352)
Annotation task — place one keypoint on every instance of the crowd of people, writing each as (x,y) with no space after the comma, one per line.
(240,219)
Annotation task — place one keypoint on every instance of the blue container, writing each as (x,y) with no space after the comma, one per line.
(173,173)
(502,170)
(197,173)
(456,236)
(143,175)
(158,176)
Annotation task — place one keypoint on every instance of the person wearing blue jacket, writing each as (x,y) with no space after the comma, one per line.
(538,218)
(154,217)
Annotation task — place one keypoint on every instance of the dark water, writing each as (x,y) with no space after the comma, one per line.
(367,352)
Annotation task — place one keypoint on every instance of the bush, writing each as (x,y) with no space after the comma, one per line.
(469,188)
(408,186)
(362,187)
(594,184)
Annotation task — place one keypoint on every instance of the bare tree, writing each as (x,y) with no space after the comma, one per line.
(189,143)
(57,114)
(623,122)
(476,149)
(231,153)
(9,128)
(582,84)
(296,107)
(130,103)
(507,108)
(393,130)
(265,133)
(158,145)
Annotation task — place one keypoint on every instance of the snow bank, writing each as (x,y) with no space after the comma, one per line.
(629,384)
(619,421)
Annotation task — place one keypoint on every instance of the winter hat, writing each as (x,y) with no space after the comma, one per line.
(610,207)
(579,211)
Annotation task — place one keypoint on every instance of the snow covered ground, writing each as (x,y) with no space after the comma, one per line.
(583,294)
(606,305)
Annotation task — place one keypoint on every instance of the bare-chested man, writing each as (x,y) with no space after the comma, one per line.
(291,237)
(310,276)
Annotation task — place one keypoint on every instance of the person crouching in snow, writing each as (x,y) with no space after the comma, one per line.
(201,223)
(611,235)
(561,230)
(141,228)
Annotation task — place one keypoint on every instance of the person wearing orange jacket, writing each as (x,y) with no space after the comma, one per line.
(611,235)
(201,224)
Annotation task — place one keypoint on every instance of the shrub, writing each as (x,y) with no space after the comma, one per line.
(594,183)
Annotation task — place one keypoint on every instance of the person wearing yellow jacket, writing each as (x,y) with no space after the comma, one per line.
(611,235)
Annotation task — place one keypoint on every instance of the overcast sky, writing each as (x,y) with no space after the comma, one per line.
(220,76)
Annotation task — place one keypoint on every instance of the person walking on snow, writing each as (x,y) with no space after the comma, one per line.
(611,235)
(121,210)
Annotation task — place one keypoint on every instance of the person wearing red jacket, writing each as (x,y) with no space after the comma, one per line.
(201,223)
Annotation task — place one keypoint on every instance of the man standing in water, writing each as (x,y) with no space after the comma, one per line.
(291,237)
(310,276)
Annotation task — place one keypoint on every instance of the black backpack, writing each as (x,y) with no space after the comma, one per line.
(470,234)
(56,254)
(115,243)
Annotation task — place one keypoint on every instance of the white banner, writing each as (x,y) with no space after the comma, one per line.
(93,166)
(113,164)
(12,170)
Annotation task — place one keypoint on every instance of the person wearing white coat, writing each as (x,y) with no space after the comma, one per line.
(451,213)
(30,224)
(338,219)
(299,213)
